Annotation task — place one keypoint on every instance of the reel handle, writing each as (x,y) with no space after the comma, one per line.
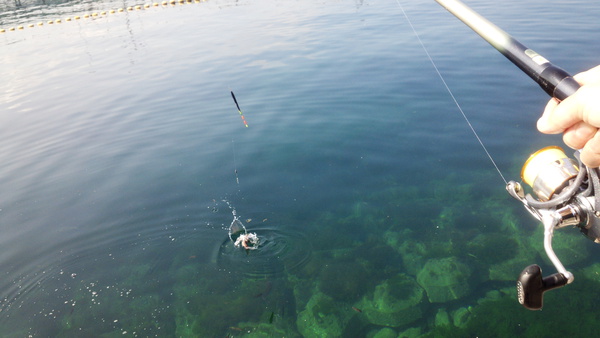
(531,286)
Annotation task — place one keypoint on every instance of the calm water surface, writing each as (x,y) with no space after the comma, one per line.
(123,160)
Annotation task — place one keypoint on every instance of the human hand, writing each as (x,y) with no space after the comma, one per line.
(577,117)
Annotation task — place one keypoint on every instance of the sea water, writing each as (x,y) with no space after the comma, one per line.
(123,155)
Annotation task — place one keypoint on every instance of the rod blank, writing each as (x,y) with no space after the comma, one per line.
(554,81)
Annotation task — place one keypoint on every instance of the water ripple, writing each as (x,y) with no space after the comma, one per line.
(279,251)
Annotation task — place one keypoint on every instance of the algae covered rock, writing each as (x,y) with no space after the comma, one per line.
(413,332)
(344,281)
(592,272)
(386,332)
(413,254)
(444,279)
(442,318)
(257,330)
(509,269)
(395,302)
(321,317)
(460,317)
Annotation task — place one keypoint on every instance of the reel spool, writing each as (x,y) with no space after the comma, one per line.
(565,191)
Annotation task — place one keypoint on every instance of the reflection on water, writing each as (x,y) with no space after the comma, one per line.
(119,182)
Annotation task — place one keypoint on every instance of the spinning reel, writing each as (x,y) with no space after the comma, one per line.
(565,188)
(565,191)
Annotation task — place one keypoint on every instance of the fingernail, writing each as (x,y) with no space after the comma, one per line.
(542,125)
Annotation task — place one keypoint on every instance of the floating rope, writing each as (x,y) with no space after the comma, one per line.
(102,13)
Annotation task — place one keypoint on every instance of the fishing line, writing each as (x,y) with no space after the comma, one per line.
(234,163)
(451,94)
(237,231)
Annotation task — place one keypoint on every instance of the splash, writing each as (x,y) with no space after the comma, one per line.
(236,228)
(247,241)
(239,235)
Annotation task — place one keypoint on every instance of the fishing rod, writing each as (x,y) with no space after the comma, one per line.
(554,81)
(565,189)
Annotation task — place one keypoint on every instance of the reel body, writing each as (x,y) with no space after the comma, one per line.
(565,191)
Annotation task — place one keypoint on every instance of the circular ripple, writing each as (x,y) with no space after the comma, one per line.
(278,251)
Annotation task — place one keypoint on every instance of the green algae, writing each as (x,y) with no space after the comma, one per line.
(446,278)
(395,302)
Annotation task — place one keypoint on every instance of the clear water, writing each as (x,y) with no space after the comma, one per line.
(123,158)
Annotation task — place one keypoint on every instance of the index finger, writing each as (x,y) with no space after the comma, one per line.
(584,106)
(591,76)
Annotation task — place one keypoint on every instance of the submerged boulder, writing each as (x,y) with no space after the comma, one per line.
(444,279)
(344,281)
(394,303)
(321,317)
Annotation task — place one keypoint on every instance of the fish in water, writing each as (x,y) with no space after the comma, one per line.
(271,318)
(356,309)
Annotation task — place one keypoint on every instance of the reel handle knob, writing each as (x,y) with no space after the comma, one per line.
(531,286)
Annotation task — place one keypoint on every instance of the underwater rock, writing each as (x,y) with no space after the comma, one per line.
(494,294)
(413,332)
(442,318)
(252,329)
(492,248)
(344,281)
(509,269)
(460,317)
(384,333)
(413,255)
(592,272)
(444,279)
(394,303)
(321,317)
(446,219)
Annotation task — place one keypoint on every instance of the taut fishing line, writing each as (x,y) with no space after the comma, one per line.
(237,180)
(450,92)
(237,231)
